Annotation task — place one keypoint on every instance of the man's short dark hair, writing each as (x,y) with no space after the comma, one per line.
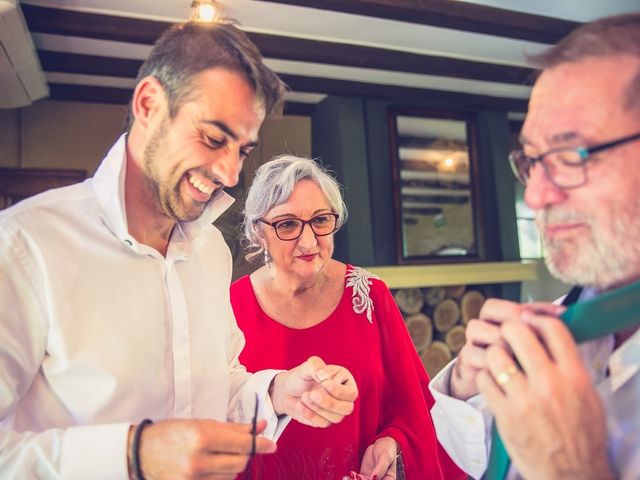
(186,49)
(606,37)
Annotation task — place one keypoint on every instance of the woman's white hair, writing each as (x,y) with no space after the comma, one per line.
(273,184)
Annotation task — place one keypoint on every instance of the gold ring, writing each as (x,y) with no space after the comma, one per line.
(503,377)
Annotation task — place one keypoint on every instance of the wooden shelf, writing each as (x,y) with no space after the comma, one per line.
(455,274)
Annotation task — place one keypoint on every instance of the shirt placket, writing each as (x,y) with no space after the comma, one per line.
(180,342)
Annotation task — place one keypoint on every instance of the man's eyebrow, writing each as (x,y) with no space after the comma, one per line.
(564,137)
(555,138)
(222,126)
(228,131)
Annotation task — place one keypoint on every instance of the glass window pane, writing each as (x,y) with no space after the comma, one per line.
(528,237)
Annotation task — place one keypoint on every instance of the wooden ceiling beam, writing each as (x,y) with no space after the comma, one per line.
(334,53)
(121,96)
(105,27)
(403,94)
(89,93)
(118,67)
(66,62)
(92,25)
(454,15)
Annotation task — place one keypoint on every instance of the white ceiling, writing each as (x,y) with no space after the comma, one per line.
(578,10)
(326,25)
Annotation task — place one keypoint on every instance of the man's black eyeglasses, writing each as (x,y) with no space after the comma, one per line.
(564,166)
(291,228)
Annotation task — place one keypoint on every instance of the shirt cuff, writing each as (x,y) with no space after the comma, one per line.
(460,426)
(95,452)
(260,382)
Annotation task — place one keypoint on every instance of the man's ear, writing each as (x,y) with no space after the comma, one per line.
(149,101)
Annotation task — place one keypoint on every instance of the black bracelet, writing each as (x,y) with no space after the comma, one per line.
(135,449)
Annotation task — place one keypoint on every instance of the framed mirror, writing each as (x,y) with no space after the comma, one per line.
(435,167)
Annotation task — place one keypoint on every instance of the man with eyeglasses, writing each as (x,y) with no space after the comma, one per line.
(565,399)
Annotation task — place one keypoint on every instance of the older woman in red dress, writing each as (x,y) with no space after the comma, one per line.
(302,302)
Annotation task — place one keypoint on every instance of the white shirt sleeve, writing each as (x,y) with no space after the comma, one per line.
(93,452)
(23,336)
(96,452)
(259,382)
(245,388)
(463,428)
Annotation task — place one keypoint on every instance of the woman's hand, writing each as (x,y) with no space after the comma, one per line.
(380,460)
(314,393)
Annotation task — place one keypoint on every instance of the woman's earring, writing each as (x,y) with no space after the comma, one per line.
(267,257)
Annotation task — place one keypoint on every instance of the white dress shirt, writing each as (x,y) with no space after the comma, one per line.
(464,428)
(98,331)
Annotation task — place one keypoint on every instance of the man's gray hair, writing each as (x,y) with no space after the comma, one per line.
(606,37)
(273,184)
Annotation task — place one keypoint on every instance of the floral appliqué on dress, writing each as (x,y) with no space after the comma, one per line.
(360,280)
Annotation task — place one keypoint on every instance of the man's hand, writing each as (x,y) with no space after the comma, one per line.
(314,393)
(549,415)
(185,449)
(480,334)
(380,459)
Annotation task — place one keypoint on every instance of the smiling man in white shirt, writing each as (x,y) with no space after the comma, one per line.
(114,293)
(564,411)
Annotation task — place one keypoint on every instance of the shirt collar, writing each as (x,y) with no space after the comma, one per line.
(109,178)
(624,362)
(588,293)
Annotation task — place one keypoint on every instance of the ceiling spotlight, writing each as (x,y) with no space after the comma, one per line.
(206,11)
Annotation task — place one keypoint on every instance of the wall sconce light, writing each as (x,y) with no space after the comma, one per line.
(206,11)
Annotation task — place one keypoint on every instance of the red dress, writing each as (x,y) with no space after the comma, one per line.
(376,348)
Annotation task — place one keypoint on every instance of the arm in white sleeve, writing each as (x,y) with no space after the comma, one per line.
(95,452)
(463,428)
(23,336)
(245,386)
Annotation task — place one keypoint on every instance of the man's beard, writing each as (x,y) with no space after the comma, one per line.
(608,255)
(165,193)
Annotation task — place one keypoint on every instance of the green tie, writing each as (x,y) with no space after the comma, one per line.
(605,314)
